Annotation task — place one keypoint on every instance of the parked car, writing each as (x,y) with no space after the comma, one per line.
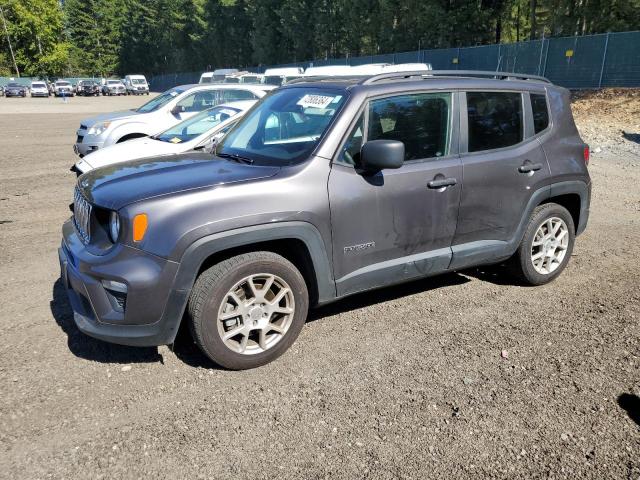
(280,76)
(88,88)
(199,132)
(39,89)
(14,89)
(159,113)
(114,87)
(243,77)
(217,75)
(323,190)
(136,85)
(63,88)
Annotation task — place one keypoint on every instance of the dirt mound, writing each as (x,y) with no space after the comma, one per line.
(609,118)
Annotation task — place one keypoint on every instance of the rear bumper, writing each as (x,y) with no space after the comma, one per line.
(145,319)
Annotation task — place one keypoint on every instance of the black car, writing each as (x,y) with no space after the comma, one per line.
(15,90)
(88,88)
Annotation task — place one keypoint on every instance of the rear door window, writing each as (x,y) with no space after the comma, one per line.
(540,112)
(421,121)
(495,120)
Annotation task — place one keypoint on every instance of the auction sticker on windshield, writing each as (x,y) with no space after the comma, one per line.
(316,101)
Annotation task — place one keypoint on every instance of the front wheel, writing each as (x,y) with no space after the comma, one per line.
(546,246)
(247,310)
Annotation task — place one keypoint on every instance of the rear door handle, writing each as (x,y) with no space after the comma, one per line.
(529,167)
(442,182)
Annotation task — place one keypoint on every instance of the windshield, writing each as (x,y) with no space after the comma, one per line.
(197,125)
(38,85)
(114,82)
(63,84)
(159,101)
(285,127)
(13,85)
(138,81)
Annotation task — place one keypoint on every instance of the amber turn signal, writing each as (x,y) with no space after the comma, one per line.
(139,227)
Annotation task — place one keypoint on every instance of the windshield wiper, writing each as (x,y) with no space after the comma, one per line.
(236,157)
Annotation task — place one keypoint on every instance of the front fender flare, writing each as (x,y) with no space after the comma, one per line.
(196,254)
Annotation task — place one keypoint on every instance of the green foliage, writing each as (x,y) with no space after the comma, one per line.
(110,37)
(35,28)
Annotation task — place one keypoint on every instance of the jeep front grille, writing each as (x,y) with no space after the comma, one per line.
(82,216)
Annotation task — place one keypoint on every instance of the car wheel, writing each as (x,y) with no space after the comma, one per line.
(546,246)
(248,310)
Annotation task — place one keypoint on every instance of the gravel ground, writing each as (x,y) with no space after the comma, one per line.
(406,382)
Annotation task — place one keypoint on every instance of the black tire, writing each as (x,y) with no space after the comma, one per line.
(522,264)
(211,289)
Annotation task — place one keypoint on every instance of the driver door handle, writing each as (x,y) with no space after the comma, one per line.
(529,167)
(442,182)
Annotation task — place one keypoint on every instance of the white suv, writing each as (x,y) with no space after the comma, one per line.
(159,113)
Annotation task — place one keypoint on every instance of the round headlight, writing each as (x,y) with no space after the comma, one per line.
(114,227)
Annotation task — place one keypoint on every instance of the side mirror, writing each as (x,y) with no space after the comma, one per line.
(377,155)
(177,110)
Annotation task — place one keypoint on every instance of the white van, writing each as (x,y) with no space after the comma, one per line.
(217,75)
(280,76)
(136,85)
(407,67)
(329,70)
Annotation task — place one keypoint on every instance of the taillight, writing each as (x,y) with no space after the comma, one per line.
(586,153)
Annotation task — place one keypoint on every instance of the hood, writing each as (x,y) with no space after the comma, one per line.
(120,184)
(122,115)
(133,149)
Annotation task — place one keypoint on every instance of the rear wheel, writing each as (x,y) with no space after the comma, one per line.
(546,246)
(248,310)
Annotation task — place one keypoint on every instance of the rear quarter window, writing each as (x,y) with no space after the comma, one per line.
(495,120)
(540,112)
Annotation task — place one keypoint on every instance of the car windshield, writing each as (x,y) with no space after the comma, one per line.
(63,84)
(137,81)
(197,125)
(113,82)
(285,127)
(13,85)
(160,101)
(38,85)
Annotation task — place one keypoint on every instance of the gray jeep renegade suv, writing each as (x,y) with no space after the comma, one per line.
(326,188)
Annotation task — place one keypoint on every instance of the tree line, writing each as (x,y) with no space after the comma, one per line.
(105,37)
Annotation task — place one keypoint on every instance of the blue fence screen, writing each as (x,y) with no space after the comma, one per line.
(590,61)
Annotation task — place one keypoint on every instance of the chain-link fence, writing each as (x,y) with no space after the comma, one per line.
(590,61)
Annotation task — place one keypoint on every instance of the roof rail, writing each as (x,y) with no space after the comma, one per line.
(322,78)
(453,73)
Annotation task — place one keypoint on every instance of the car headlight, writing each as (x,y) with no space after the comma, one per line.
(114,226)
(99,128)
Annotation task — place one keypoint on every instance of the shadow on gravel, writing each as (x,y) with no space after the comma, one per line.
(83,346)
(631,404)
(496,274)
(632,137)
(386,294)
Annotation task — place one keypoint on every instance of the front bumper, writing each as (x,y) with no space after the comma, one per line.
(149,316)
(15,94)
(39,94)
(85,143)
